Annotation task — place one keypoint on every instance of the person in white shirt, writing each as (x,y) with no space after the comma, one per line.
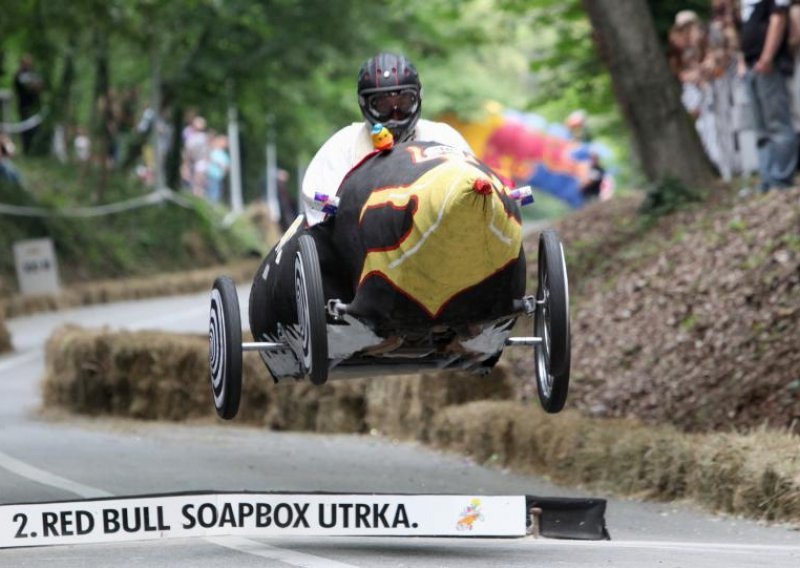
(389,93)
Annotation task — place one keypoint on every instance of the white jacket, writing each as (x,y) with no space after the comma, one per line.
(345,149)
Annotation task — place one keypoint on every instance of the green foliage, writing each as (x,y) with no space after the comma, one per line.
(291,66)
(545,207)
(294,62)
(151,239)
(567,73)
(666,197)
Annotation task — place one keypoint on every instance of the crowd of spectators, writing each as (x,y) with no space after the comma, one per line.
(120,135)
(737,73)
(204,161)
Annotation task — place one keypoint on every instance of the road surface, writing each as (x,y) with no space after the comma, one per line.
(45,459)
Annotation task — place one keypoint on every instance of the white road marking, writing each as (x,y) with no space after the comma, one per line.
(46,478)
(19,359)
(244,545)
(236,543)
(168,318)
(290,557)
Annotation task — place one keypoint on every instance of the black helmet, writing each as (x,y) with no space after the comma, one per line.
(390,92)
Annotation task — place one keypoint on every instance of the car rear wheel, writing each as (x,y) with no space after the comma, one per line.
(551,324)
(311,311)
(225,348)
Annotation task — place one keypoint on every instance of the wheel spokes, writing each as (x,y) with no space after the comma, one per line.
(544,376)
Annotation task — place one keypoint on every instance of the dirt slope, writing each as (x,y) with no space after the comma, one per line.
(696,321)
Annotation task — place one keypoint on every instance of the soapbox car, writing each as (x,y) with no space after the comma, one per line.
(418,266)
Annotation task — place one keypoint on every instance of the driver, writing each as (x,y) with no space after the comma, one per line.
(390,93)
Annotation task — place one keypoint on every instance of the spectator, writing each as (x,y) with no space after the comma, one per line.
(286,201)
(592,189)
(82,145)
(687,47)
(686,56)
(28,85)
(765,50)
(196,152)
(794,48)
(576,124)
(217,168)
(693,61)
(125,117)
(153,156)
(723,39)
(8,172)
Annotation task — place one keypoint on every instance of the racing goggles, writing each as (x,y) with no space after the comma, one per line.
(384,105)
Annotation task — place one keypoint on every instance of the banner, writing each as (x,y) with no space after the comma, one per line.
(259,515)
(528,150)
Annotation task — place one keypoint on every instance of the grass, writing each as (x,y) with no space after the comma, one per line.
(152,239)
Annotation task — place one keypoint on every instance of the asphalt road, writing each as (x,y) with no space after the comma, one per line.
(46,459)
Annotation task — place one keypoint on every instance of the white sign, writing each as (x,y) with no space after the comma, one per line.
(37,271)
(260,515)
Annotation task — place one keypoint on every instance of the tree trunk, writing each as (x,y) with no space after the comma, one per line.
(665,138)
(43,51)
(172,166)
(62,98)
(103,112)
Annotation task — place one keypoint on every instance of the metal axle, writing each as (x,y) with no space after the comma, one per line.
(263,346)
(517,341)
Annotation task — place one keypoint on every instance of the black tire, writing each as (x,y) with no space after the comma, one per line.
(551,323)
(311,311)
(225,348)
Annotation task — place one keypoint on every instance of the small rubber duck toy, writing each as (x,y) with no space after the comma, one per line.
(382,139)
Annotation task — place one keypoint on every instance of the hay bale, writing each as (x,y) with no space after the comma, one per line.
(753,475)
(757,474)
(405,406)
(162,376)
(332,408)
(152,375)
(142,375)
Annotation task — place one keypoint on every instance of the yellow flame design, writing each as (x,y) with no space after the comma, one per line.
(458,239)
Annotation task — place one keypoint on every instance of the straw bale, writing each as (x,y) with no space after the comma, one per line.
(153,375)
(162,376)
(405,406)
(755,474)
(758,474)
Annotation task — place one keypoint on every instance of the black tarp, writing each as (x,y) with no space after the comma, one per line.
(425,235)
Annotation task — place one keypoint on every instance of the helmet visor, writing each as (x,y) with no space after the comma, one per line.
(389,104)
